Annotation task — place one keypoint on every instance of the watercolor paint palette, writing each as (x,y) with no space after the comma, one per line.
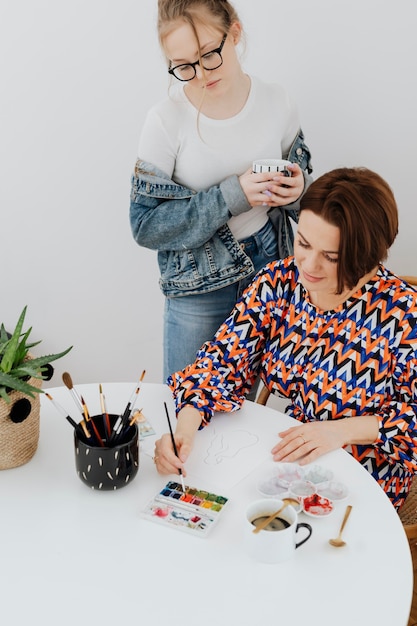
(195,511)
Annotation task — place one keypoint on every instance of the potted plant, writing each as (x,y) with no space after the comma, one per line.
(21,377)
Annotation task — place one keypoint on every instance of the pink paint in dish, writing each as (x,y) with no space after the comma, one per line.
(317,506)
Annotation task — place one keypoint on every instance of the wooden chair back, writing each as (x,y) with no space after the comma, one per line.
(408,516)
(412,280)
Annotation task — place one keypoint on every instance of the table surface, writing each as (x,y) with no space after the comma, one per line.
(71,555)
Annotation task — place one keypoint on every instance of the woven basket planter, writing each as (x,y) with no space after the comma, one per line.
(19,427)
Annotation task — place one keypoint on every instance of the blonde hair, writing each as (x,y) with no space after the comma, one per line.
(170,12)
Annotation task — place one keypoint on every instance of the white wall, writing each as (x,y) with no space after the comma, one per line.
(76,80)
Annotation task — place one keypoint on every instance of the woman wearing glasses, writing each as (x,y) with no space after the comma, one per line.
(194,196)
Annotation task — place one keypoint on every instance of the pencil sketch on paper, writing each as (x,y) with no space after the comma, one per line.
(229,445)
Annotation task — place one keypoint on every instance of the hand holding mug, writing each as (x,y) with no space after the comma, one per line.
(272,182)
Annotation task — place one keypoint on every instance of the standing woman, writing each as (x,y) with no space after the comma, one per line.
(194,196)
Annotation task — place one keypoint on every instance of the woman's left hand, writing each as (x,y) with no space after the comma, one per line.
(283,189)
(309,441)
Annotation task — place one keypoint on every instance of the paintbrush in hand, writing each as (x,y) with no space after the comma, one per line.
(174,445)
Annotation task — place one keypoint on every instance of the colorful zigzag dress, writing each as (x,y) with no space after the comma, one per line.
(358,359)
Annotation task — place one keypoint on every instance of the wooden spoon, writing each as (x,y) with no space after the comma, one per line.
(269,519)
(338,543)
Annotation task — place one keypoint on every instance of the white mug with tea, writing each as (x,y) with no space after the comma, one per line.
(279,540)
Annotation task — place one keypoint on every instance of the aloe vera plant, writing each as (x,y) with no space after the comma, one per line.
(16,364)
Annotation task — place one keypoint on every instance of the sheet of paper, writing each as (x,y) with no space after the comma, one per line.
(230,448)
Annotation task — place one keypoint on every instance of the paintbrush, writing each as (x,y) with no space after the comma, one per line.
(136,417)
(62,410)
(129,411)
(85,429)
(79,401)
(174,445)
(69,418)
(106,419)
(133,398)
(68,383)
(91,423)
(124,417)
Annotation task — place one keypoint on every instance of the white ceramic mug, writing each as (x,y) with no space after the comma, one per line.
(271,165)
(273,546)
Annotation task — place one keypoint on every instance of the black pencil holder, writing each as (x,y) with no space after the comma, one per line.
(106,468)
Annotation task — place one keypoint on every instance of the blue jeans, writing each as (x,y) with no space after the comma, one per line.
(189,321)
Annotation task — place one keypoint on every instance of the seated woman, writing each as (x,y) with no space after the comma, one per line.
(332,330)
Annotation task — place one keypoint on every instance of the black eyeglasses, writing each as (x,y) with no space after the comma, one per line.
(210,61)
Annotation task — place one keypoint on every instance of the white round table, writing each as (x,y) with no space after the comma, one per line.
(71,555)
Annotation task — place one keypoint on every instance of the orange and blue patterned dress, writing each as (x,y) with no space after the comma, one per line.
(358,359)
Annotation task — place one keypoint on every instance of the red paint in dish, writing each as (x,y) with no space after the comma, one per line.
(317,505)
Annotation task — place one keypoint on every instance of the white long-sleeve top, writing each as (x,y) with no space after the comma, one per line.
(199,152)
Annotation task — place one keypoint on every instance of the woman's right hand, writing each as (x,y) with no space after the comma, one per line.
(254,186)
(165,459)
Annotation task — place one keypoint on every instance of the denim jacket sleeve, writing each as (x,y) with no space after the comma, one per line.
(299,153)
(279,215)
(168,216)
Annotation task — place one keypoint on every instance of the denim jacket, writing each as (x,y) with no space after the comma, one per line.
(197,251)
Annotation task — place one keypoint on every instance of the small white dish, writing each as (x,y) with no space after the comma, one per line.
(318,474)
(333,490)
(317,506)
(297,507)
(302,488)
(271,487)
(286,473)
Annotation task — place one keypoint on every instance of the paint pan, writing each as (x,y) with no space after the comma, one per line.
(195,510)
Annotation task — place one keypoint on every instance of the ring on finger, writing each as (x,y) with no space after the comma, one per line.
(304,441)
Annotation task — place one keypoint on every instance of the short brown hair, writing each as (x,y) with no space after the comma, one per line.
(362,205)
